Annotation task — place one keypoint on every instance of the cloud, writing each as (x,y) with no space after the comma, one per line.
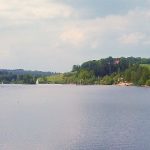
(130,28)
(28,10)
(132,38)
(92,32)
(59,36)
(4,53)
(73,36)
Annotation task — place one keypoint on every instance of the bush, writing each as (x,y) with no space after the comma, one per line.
(148,82)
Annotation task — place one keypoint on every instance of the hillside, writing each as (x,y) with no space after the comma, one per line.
(106,71)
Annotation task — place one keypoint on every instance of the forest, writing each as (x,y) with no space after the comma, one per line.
(108,71)
(20,76)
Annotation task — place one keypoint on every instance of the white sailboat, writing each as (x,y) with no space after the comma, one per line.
(37,81)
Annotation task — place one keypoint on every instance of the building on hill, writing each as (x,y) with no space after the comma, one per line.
(117,61)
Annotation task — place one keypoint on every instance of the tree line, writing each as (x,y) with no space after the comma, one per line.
(21,76)
(106,71)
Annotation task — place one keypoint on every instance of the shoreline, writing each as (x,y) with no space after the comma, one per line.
(125,84)
(122,84)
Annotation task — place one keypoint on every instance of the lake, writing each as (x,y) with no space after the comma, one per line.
(70,117)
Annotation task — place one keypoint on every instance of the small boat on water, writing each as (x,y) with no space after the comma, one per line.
(37,81)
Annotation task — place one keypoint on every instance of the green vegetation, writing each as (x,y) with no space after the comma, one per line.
(106,71)
(137,75)
(20,76)
(55,79)
(145,65)
(8,78)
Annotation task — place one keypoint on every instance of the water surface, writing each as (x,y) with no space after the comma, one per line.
(69,117)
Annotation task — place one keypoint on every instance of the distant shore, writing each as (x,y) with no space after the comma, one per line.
(121,84)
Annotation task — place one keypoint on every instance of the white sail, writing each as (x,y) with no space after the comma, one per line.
(37,81)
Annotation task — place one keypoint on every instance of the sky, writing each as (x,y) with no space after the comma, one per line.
(53,35)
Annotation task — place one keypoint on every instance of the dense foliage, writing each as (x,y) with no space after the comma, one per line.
(21,76)
(106,71)
(110,65)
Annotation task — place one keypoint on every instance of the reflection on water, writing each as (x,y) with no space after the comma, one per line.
(69,117)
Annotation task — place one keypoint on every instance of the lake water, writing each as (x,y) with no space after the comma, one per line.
(69,117)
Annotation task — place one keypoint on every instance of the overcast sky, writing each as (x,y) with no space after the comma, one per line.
(53,35)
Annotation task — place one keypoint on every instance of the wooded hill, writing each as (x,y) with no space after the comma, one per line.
(106,71)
